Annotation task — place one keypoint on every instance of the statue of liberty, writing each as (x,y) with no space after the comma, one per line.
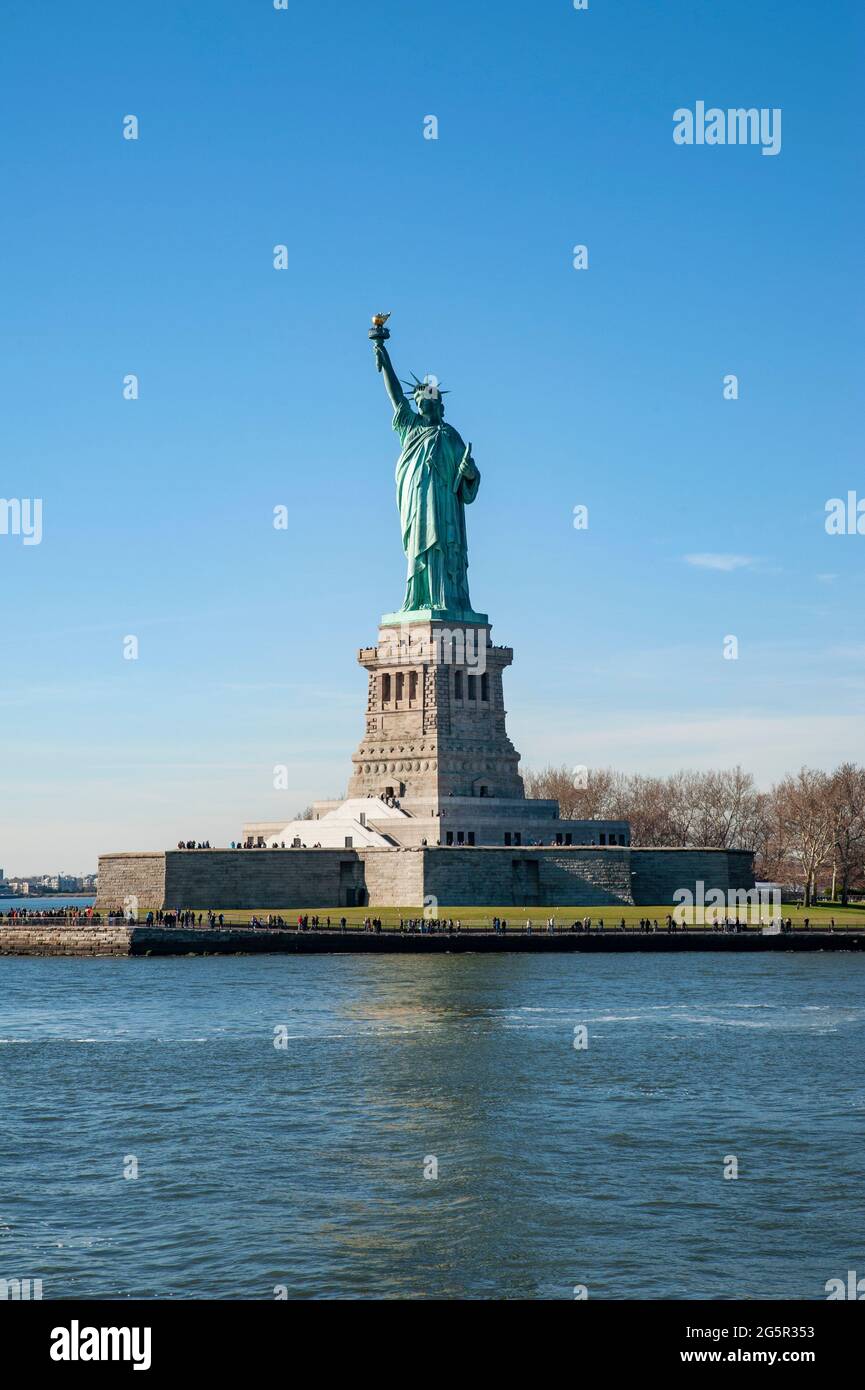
(436,478)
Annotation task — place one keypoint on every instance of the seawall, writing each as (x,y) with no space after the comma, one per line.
(53,940)
(172,941)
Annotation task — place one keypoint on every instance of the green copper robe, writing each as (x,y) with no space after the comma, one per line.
(433,487)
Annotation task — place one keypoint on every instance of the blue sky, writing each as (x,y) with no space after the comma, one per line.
(600,387)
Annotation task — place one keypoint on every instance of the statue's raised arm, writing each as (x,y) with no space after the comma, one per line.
(391,380)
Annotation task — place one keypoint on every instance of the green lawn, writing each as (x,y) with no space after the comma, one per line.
(516,917)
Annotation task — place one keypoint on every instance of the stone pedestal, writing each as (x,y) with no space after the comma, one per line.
(435,717)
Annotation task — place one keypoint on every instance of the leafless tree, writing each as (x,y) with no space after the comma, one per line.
(794,829)
(565,785)
(807,823)
(847,799)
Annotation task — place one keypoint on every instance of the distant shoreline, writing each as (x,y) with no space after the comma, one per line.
(45,893)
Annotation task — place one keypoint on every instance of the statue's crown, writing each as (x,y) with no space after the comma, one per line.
(428,387)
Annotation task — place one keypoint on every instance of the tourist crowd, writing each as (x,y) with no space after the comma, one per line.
(425,926)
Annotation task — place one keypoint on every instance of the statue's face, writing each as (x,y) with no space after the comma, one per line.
(430,406)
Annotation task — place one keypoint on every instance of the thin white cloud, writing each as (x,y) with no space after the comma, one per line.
(850,651)
(767,745)
(711,561)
